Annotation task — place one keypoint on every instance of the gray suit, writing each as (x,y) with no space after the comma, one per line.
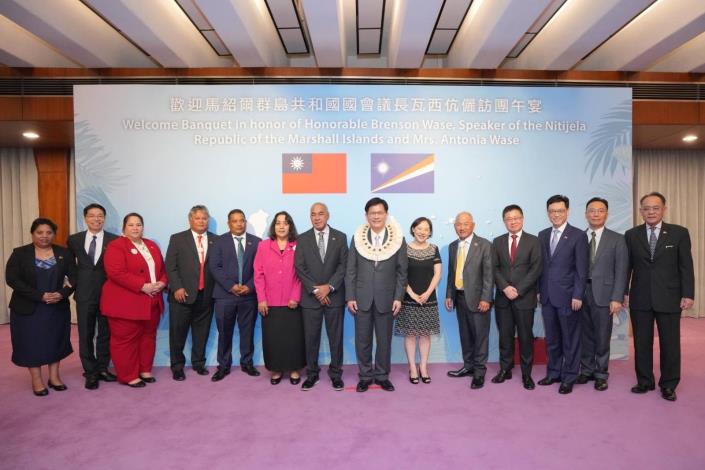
(313,271)
(478,280)
(607,282)
(375,287)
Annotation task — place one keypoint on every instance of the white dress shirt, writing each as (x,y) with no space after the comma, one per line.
(98,243)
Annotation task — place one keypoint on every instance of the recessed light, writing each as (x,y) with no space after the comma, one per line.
(30,135)
(690,138)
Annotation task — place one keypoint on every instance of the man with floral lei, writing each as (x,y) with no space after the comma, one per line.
(375,280)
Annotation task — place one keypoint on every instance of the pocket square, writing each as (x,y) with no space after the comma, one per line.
(669,246)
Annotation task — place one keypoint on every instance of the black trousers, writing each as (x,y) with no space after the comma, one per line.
(474,330)
(313,320)
(227,312)
(93,346)
(197,317)
(367,324)
(596,335)
(510,319)
(669,334)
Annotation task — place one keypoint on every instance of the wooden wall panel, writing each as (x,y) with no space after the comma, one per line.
(53,182)
(47,108)
(667,112)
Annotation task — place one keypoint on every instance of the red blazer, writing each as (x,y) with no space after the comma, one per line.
(127,272)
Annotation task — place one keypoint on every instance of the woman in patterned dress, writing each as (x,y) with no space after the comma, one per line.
(419,313)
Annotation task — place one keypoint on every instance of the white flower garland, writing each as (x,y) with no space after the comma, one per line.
(388,248)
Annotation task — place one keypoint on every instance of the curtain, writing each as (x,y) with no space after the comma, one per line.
(19,206)
(679,176)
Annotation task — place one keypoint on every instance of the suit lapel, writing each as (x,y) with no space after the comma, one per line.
(662,236)
(641,235)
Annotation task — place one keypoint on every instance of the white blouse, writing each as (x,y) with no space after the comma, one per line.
(147,255)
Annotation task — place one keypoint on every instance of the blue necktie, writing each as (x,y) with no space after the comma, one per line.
(240,252)
(554,240)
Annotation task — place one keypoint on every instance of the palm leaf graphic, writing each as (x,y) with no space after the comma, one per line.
(610,144)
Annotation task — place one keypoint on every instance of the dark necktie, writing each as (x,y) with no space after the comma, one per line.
(652,241)
(91,249)
(593,250)
(240,258)
(513,250)
(321,246)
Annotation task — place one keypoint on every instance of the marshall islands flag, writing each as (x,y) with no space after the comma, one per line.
(402,172)
(310,173)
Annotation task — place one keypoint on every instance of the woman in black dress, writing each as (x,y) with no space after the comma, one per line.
(419,309)
(41,275)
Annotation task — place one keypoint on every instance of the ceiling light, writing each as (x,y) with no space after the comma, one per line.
(34,135)
(690,138)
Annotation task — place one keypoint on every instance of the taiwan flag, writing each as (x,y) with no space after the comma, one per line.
(314,173)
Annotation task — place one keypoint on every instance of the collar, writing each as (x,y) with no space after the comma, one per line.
(561,229)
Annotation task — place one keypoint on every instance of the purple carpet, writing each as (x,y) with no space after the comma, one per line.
(244,422)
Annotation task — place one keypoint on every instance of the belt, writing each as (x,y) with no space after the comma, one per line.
(589,281)
(460,292)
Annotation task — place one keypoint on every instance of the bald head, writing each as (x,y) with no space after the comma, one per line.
(319,216)
(464,225)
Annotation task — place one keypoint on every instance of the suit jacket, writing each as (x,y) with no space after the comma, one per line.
(523,274)
(609,272)
(183,266)
(127,272)
(382,282)
(313,271)
(222,263)
(89,277)
(275,276)
(660,285)
(478,272)
(564,274)
(21,276)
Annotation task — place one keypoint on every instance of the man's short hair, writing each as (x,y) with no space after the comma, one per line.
(653,194)
(598,199)
(558,198)
(93,205)
(198,208)
(375,201)
(236,211)
(512,207)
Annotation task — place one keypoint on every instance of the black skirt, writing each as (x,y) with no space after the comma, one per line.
(283,339)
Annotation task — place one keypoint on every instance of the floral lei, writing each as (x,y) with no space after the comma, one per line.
(388,248)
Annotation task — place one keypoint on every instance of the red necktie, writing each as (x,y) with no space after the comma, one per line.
(513,250)
(201,275)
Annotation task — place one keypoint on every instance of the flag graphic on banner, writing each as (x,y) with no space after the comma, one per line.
(314,173)
(402,172)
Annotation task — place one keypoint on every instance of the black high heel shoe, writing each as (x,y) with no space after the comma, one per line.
(426,380)
(58,388)
(414,380)
(41,393)
(149,380)
(295,380)
(275,380)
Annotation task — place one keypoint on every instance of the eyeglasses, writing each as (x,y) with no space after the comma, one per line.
(557,211)
(597,211)
(651,208)
(513,219)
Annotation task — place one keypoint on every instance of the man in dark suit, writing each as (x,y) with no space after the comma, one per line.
(469,290)
(190,292)
(375,281)
(562,287)
(321,254)
(606,283)
(517,267)
(662,285)
(87,250)
(231,264)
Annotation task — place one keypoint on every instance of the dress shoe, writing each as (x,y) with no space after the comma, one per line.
(600,385)
(583,379)
(414,380)
(528,382)
(275,380)
(294,380)
(220,375)
(638,388)
(362,386)
(41,393)
(250,370)
(179,375)
(309,383)
(338,384)
(565,388)
(501,376)
(92,382)
(58,388)
(386,385)
(548,381)
(106,376)
(139,384)
(668,394)
(201,370)
(425,379)
(477,382)
(149,380)
(462,372)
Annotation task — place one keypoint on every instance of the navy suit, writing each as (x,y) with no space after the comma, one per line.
(229,308)
(563,278)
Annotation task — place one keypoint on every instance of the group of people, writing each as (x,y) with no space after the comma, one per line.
(299,282)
